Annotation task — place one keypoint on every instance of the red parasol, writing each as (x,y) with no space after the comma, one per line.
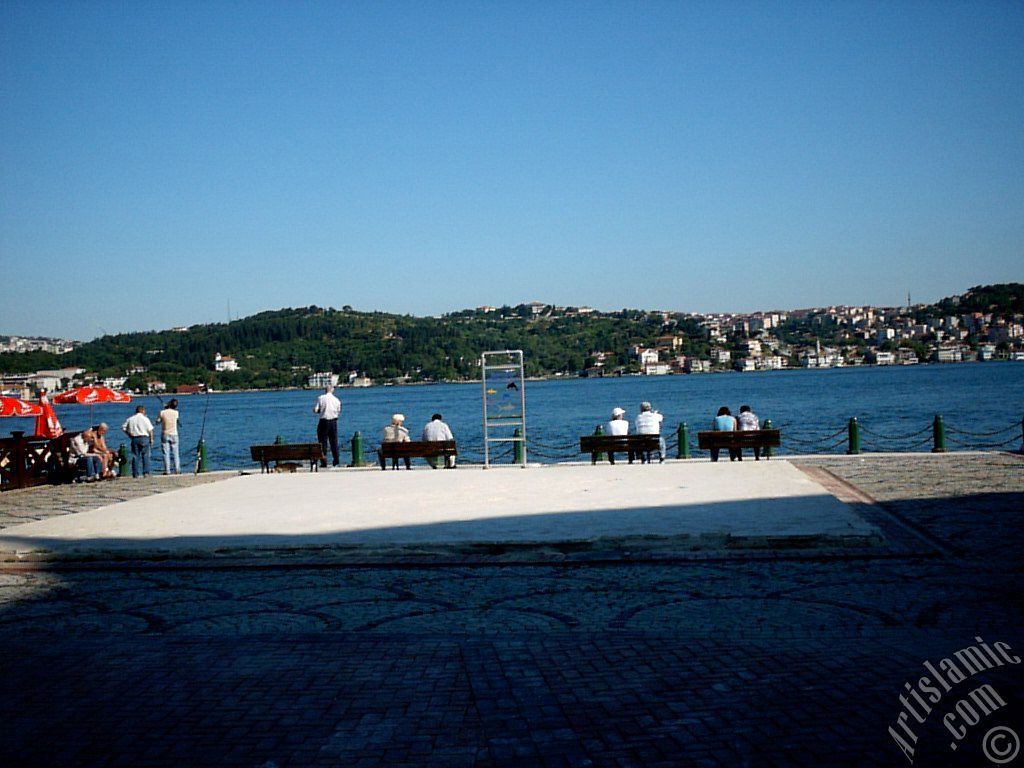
(92,396)
(12,406)
(47,424)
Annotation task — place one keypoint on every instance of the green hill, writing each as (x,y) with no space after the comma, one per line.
(282,347)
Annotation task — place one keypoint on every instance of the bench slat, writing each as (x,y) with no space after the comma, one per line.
(605,443)
(418,449)
(264,454)
(753,438)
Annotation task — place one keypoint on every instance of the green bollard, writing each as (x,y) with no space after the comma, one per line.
(518,449)
(767,449)
(1022,434)
(596,457)
(854,436)
(202,465)
(357,450)
(122,459)
(939,435)
(683,433)
(278,440)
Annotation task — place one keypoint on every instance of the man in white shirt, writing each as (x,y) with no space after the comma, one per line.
(140,429)
(437,430)
(329,408)
(617,426)
(83,455)
(748,421)
(648,422)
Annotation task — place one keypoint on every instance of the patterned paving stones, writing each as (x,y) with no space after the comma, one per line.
(747,659)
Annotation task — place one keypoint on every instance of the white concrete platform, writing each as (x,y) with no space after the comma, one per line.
(425,507)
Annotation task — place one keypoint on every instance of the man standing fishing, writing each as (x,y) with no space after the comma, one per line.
(329,408)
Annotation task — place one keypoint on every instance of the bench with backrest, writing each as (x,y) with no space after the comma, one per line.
(751,438)
(631,445)
(264,454)
(62,466)
(416,449)
(29,461)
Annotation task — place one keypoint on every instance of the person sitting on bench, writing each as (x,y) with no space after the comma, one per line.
(434,431)
(395,432)
(725,422)
(82,455)
(648,422)
(747,421)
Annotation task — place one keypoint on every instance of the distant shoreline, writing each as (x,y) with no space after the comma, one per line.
(553,377)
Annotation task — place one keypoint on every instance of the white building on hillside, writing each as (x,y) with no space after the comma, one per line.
(224,363)
(321,379)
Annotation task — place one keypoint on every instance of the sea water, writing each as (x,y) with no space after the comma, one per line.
(982,405)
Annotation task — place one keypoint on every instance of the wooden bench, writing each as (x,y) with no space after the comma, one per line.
(631,445)
(416,449)
(751,438)
(30,461)
(264,454)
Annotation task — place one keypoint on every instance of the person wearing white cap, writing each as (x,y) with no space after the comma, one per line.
(648,422)
(396,432)
(618,425)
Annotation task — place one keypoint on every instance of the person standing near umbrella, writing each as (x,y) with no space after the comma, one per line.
(168,421)
(140,429)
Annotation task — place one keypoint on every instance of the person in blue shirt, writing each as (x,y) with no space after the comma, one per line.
(725,422)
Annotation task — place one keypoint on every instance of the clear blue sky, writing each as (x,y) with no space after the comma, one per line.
(160,159)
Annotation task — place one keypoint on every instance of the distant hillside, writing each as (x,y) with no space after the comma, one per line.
(1002,299)
(282,347)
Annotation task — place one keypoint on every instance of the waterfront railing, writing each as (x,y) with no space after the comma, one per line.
(852,438)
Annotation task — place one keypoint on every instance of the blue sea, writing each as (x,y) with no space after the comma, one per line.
(982,405)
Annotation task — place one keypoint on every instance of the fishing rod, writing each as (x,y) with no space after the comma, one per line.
(202,432)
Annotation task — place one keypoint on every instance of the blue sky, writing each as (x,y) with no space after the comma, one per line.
(160,160)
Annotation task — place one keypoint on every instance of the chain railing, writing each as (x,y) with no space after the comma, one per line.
(854,438)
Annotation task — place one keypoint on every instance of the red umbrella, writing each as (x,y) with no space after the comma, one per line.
(12,406)
(92,395)
(47,424)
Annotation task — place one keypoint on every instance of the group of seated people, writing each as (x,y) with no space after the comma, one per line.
(648,422)
(89,451)
(726,422)
(435,430)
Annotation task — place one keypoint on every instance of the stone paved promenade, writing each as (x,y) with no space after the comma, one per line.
(733,658)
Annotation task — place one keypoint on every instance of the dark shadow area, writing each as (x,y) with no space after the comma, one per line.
(776,661)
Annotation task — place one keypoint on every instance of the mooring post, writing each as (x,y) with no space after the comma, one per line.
(683,452)
(596,457)
(767,448)
(202,466)
(357,450)
(122,459)
(939,435)
(854,429)
(517,447)
(278,440)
